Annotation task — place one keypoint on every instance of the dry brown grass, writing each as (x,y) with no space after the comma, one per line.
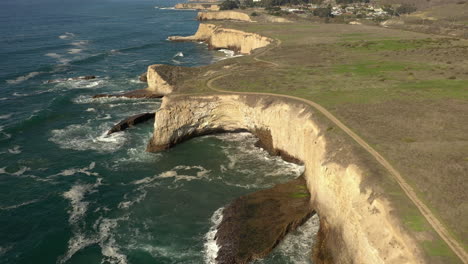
(405,93)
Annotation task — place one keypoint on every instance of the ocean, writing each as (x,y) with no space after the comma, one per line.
(71,194)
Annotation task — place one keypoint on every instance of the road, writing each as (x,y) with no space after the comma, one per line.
(425,211)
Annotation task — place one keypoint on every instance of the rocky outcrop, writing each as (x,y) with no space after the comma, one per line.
(164,79)
(159,79)
(254,224)
(141,93)
(198,6)
(130,122)
(218,37)
(223,15)
(346,190)
(143,77)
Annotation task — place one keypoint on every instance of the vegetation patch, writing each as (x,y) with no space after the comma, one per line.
(437,248)
(370,68)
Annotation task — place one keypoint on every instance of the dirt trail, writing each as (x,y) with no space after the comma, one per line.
(425,211)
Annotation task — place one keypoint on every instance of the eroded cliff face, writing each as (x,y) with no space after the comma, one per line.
(223,38)
(360,227)
(223,15)
(159,82)
(165,79)
(198,6)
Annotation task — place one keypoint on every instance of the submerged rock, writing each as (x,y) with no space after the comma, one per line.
(254,224)
(131,121)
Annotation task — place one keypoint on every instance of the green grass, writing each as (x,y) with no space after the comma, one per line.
(437,248)
(415,222)
(387,44)
(370,68)
(438,88)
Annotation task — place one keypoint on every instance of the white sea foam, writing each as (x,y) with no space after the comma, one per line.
(87,137)
(242,154)
(297,246)
(76,195)
(90,110)
(15,150)
(228,54)
(75,51)
(80,43)
(211,248)
(80,84)
(5,135)
(76,243)
(179,54)
(67,35)
(174,173)
(83,99)
(5,116)
(108,244)
(23,78)
(58,57)
(19,205)
(85,170)
(103,236)
(140,197)
(21,171)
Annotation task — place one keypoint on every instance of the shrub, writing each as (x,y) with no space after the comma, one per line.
(405,9)
(323,12)
(229,5)
(254,14)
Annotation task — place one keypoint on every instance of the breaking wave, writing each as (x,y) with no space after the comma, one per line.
(23,78)
(67,35)
(87,137)
(210,246)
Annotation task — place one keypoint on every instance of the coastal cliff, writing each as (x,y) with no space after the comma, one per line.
(166,79)
(159,79)
(223,15)
(218,37)
(198,6)
(357,224)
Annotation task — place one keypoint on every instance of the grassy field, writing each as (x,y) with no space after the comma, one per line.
(405,93)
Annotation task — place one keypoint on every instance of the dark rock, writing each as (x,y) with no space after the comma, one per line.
(131,121)
(143,77)
(87,77)
(254,224)
(142,93)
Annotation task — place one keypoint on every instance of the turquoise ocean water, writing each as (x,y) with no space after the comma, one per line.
(71,194)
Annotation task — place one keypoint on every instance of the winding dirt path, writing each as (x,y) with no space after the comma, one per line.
(425,211)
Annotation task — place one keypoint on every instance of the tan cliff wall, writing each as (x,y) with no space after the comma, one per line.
(165,79)
(360,225)
(198,6)
(223,15)
(223,38)
(157,81)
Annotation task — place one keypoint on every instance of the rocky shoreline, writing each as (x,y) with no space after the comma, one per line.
(356,223)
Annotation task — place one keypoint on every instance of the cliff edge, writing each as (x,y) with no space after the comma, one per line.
(218,37)
(359,225)
(224,15)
